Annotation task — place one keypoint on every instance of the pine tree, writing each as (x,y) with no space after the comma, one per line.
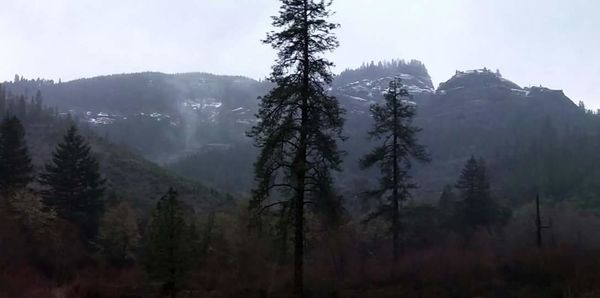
(36,106)
(167,253)
(398,136)
(474,187)
(16,170)
(2,101)
(299,120)
(22,109)
(447,198)
(11,106)
(73,184)
(447,208)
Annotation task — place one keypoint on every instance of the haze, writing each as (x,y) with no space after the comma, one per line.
(537,42)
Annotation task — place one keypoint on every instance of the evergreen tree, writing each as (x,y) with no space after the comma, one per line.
(73,184)
(21,109)
(36,106)
(11,106)
(299,120)
(394,128)
(581,105)
(16,170)
(447,198)
(477,207)
(447,208)
(167,253)
(2,101)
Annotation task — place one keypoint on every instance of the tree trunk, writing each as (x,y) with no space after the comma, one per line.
(395,199)
(299,245)
(300,167)
(538,221)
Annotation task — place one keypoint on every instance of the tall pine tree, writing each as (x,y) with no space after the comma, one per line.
(167,246)
(73,184)
(477,209)
(299,120)
(398,136)
(16,170)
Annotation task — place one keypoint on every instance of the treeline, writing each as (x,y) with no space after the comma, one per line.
(561,161)
(27,109)
(381,69)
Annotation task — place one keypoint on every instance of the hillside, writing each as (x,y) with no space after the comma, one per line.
(156,115)
(195,123)
(128,176)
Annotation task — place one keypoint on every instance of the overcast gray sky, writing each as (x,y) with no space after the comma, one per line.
(533,42)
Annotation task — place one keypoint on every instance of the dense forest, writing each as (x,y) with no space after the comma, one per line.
(366,183)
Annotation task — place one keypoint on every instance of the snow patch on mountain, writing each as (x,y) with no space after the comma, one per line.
(372,90)
(477,78)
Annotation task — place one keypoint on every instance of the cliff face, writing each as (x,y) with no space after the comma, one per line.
(475,112)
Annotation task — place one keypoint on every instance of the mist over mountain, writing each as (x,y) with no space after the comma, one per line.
(195,123)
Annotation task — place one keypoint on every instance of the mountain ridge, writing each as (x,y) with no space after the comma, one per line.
(190,121)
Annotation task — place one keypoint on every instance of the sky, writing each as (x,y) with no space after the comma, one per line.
(532,42)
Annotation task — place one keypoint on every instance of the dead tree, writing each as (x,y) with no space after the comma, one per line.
(538,222)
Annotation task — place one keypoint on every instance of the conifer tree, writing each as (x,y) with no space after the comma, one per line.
(74,187)
(474,187)
(393,127)
(447,208)
(2,101)
(167,251)
(21,112)
(299,120)
(16,170)
(447,198)
(36,106)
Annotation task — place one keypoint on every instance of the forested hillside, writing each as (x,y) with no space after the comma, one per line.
(128,175)
(196,124)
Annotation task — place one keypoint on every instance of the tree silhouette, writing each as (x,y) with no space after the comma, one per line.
(73,184)
(16,170)
(167,251)
(393,127)
(477,208)
(299,120)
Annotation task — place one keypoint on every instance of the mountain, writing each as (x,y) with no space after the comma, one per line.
(156,115)
(128,176)
(481,113)
(194,124)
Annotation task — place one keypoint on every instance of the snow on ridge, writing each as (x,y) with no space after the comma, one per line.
(202,103)
(368,87)
(357,98)
(522,92)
